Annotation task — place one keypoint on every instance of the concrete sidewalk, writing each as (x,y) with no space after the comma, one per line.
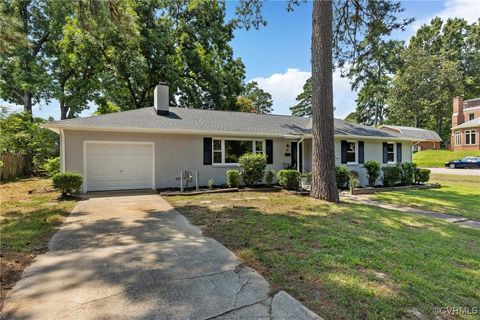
(457,172)
(135,257)
(462,221)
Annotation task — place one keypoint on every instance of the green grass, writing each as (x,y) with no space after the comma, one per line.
(437,158)
(30,212)
(459,195)
(345,261)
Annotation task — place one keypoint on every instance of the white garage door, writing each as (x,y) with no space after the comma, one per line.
(119,166)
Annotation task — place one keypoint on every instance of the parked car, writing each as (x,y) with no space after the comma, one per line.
(467,162)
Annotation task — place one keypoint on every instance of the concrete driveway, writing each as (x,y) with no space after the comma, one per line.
(459,172)
(133,256)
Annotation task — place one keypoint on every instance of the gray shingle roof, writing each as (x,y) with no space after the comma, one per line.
(212,121)
(416,133)
(469,124)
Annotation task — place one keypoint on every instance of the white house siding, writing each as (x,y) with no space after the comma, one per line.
(173,153)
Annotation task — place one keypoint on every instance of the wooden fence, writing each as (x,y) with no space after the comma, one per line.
(15,165)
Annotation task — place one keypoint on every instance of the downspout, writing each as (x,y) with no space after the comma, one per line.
(298,153)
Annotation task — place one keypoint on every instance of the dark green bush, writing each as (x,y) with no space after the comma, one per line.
(353,179)
(253,167)
(421,175)
(373,169)
(67,182)
(52,166)
(233,178)
(288,178)
(269,176)
(408,171)
(342,177)
(391,175)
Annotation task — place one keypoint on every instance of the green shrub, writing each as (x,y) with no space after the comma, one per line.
(421,175)
(307,177)
(52,166)
(210,183)
(269,177)
(342,177)
(373,169)
(288,178)
(391,175)
(233,178)
(253,167)
(353,179)
(67,182)
(408,171)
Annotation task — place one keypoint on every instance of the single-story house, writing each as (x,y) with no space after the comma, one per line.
(426,139)
(151,147)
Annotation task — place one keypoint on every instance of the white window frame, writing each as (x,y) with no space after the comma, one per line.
(394,153)
(458,138)
(222,139)
(471,133)
(356,152)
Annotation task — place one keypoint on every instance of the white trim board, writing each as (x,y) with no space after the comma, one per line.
(85,145)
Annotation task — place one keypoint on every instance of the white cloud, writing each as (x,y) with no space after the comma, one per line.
(466,9)
(284,88)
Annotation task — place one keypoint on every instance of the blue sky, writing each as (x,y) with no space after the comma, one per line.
(278,56)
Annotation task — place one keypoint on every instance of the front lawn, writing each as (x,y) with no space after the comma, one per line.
(437,158)
(345,261)
(30,212)
(459,195)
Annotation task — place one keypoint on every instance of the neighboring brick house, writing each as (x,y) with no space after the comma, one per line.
(426,139)
(465,124)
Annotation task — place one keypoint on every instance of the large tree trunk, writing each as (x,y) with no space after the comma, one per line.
(324,185)
(27,102)
(63,110)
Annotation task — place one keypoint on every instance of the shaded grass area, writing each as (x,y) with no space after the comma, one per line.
(437,158)
(30,214)
(459,195)
(345,261)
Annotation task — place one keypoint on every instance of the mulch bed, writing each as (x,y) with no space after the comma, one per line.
(218,190)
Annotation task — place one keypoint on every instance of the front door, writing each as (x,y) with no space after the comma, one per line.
(293,162)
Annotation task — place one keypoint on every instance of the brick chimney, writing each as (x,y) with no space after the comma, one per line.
(161,99)
(458,117)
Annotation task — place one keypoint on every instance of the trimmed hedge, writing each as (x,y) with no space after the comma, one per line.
(269,177)
(408,172)
(373,168)
(353,179)
(391,175)
(342,177)
(421,176)
(67,182)
(233,178)
(288,178)
(253,166)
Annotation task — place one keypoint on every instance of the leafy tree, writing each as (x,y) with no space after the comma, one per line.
(182,42)
(261,100)
(457,41)
(303,108)
(23,135)
(422,91)
(336,28)
(26,28)
(244,104)
(371,76)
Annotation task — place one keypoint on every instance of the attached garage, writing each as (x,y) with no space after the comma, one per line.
(118,165)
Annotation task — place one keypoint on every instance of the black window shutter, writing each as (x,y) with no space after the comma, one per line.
(385,151)
(361,152)
(399,152)
(207,150)
(269,151)
(344,151)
